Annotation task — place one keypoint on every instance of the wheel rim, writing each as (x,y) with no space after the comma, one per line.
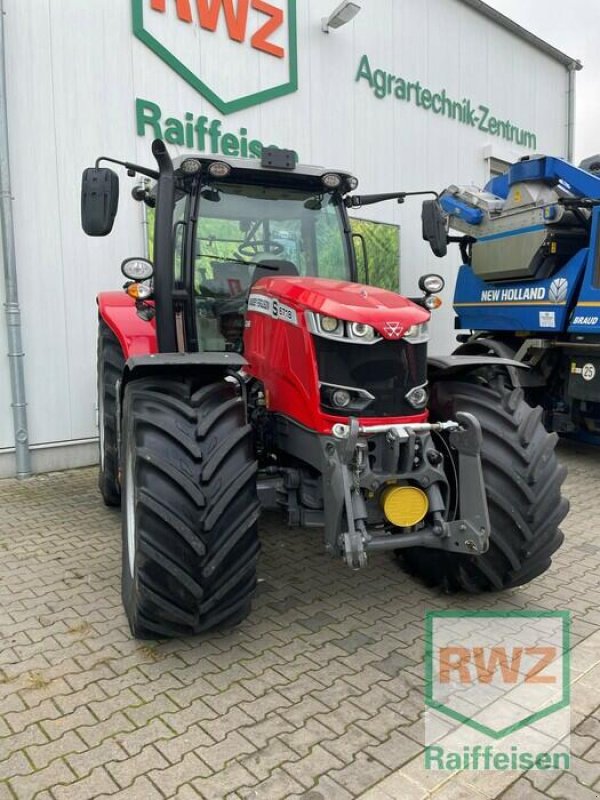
(130,509)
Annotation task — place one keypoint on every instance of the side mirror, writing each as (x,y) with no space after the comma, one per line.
(434,227)
(99,200)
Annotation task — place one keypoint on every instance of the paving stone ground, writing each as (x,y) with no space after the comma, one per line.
(318,695)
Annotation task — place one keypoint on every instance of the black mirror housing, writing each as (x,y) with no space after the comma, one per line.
(99,200)
(434,227)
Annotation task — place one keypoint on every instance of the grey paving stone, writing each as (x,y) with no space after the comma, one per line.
(318,621)
(319,691)
(394,664)
(354,642)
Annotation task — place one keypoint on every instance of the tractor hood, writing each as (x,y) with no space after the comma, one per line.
(352,302)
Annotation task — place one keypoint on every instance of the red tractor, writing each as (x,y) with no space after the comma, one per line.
(246,368)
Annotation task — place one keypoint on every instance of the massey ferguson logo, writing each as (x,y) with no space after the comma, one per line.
(393,330)
(202,39)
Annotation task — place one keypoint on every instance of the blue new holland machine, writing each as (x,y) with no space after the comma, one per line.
(529,285)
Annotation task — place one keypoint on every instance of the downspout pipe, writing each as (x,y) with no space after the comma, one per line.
(574,67)
(9,260)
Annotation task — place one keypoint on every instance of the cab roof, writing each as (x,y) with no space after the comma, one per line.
(256,167)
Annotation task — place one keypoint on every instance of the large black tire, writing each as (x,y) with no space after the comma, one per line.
(523,480)
(190,507)
(110,369)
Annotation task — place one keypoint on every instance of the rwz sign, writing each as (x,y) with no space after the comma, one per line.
(235,53)
(497,672)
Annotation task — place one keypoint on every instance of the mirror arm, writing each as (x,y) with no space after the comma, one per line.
(131,168)
(357,200)
(363,245)
(419,301)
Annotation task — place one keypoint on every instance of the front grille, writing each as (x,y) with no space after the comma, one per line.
(388,370)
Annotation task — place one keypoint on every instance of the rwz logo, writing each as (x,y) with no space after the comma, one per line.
(235,53)
(497,672)
(236,19)
(488,662)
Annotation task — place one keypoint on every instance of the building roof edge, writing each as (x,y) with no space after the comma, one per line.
(523,33)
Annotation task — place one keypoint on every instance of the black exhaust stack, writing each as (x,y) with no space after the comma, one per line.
(163,250)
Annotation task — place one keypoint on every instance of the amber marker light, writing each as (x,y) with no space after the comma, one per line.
(139,291)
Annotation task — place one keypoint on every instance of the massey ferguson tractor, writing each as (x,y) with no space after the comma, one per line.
(246,368)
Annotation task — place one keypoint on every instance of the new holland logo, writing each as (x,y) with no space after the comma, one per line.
(558,290)
(393,330)
(202,39)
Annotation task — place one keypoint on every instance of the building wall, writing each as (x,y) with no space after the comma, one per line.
(75,70)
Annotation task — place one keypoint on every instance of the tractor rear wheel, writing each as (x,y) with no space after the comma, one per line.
(190,507)
(110,368)
(522,479)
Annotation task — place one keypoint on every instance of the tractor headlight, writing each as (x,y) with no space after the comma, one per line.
(418,396)
(417,334)
(361,331)
(341,398)
(331,325)
(334,328)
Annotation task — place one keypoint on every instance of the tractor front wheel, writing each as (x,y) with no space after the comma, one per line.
(190,507)
(522,480)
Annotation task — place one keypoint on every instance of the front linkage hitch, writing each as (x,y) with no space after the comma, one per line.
(347,465)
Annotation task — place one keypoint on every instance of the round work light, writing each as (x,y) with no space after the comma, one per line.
(137,269)
(331,180)
(190,166)
(219,169)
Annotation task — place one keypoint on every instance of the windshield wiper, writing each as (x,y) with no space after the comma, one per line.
(237,261)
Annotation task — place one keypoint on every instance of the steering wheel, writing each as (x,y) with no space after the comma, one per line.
(260,246)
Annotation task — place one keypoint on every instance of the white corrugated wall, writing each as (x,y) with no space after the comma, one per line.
(74,71)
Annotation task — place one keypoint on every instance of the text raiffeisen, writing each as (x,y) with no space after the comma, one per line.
(195,132)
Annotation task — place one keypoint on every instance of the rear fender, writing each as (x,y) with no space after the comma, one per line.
(209,367)
(136,336)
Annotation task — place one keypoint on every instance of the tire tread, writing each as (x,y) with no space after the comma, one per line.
(523,484)
(196,510)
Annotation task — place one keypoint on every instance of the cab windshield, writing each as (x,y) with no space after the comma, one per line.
(246,232)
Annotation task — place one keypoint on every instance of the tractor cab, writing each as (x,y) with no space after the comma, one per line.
(236,222)
(233,222)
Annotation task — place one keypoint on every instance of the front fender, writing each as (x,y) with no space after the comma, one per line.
(487,345)
(136,336)
(453,365)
